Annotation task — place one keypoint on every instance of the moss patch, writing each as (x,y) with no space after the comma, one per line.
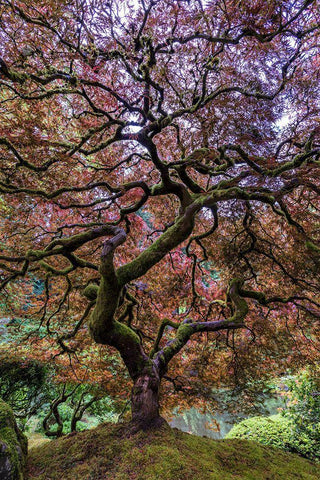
(13,446)
(36,439)
(110,452)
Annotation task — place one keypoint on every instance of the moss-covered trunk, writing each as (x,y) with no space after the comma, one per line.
(106,329)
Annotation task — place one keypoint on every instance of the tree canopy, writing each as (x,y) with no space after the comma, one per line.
(159,184)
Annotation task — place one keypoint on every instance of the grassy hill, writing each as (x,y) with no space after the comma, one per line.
(111,452)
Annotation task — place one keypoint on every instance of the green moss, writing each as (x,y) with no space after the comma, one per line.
(91,291)
(170,239)
(126,334)
(101,319)
(110,451)
(183,334)
(37,254)
(13,446)
(18,77)
(311,246)
(239,303)
(55,271)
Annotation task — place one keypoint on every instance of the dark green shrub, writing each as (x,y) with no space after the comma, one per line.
(22,385)
(303,410)
(273,431)
(297,429)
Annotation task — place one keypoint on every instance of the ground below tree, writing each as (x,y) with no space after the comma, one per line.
(110,452)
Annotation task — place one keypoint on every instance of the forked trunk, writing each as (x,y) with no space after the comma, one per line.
(145,402)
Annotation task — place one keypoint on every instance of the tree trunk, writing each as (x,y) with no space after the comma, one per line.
(145,402)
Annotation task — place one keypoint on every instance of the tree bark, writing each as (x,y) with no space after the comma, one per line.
(145,401)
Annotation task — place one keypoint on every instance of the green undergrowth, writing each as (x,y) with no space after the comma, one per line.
(111,452)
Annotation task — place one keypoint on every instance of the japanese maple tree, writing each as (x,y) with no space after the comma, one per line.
(160,176)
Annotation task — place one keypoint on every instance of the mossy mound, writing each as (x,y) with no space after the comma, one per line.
(13,446)
(111,452)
